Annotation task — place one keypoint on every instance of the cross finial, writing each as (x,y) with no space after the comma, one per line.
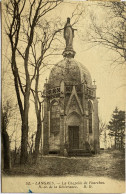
(94,81)
(46,80)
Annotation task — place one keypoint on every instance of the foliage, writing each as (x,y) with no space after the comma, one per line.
(117,127)
(6,114)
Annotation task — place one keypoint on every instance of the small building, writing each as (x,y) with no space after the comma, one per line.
(71,124)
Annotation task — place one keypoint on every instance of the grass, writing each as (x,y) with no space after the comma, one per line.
(107,164)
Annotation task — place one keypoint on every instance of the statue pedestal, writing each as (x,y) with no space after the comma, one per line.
(69,53)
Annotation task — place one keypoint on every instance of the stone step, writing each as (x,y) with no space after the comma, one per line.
(79,153)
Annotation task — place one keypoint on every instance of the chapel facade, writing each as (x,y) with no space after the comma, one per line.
(71,124)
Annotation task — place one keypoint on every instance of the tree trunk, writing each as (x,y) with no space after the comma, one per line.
(24,142)
(5,144)
(23,111)
(38,115)
(38,136)
(115,140)
(24,129)
(6,150)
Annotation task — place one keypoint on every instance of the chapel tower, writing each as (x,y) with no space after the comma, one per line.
(71,124)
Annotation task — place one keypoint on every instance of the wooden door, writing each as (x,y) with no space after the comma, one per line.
(73,137)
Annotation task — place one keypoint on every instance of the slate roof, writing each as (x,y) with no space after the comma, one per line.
(71,72)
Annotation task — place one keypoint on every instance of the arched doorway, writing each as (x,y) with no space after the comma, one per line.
(73,130)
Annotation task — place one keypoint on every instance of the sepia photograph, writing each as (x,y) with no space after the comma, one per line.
(63,80)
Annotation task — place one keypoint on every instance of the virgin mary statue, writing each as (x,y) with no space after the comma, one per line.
(68,34)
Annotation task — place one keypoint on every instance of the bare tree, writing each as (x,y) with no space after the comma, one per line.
(51,44)
(111,33)
(47,49)
(103,132)
(21,21)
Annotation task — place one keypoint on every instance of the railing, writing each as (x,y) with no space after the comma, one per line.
(55,92)
(89,92)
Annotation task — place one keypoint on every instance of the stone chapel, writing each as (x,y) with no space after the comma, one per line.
(71,123)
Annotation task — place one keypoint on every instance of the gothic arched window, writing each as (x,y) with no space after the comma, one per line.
(90,116)
(55,118)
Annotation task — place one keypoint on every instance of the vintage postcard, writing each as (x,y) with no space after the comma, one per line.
(63,96)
